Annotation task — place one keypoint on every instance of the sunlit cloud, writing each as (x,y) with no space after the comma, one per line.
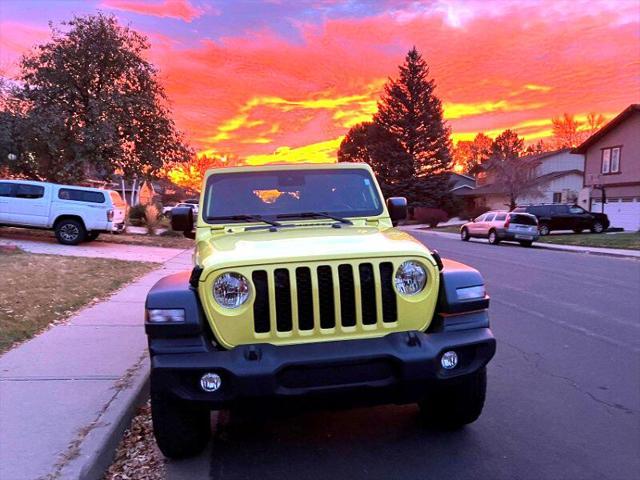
(321,152)
(179,9)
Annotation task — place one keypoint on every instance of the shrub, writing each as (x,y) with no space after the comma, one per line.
(430,216)
(151,217)
(137,212)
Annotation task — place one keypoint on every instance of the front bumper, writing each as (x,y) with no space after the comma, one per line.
(397,368)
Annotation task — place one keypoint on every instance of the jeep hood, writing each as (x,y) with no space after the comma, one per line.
(304,244)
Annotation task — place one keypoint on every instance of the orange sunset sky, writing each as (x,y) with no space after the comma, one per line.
(283,81)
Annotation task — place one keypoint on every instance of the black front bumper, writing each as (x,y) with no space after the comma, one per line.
(397,368)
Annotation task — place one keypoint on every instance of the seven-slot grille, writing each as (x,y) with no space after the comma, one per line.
(324,298)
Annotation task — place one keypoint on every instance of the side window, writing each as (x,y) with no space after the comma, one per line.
(5,189)
(560,209)
(29,191)
(80,195)
(489,217)
(576,210)
(501,216)
(480,218)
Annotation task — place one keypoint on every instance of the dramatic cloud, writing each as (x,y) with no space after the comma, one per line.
(180,9)
(284,81)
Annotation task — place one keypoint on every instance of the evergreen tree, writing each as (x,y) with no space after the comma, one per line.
(411,112)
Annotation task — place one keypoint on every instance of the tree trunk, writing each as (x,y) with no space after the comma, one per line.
(133,192)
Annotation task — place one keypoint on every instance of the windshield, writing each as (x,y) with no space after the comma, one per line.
(344,193)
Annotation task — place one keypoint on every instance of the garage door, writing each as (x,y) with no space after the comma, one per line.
(621,214)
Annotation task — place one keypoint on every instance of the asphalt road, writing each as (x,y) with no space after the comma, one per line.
(563,397)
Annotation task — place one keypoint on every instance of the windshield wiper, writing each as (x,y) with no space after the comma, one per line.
(250,218)
(313,215)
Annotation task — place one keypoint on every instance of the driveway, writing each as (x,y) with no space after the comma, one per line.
(95,249)
(563,396)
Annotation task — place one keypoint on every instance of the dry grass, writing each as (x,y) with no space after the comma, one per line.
(137,457)
(39,290)
(167,239)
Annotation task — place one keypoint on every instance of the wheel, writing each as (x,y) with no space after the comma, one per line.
(493,238)
(577,230)
(526,243)
(597,227)
(91,236)
(181,429)
(457,404)
(464,235)
(543,229)
(70,232)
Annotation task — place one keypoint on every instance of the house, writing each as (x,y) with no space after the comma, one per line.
(612,170)
(558,174)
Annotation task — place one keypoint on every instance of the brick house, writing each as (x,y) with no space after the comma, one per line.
(612,167)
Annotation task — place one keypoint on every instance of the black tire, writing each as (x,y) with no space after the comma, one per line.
(454,405)
(544,230)
(493,237)
(91,236)
(597,227)
(464,235)
(181,429)
(70,232)
(577,230)
(526,243)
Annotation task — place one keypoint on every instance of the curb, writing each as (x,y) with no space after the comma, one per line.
(94,453)
(549,246)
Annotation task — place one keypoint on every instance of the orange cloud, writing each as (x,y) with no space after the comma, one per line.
(180,9)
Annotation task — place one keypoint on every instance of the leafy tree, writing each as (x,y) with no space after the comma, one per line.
(595,121)
(412,113)
(95,106)
(368,142)
(535,148)
(471,155)
(190,174)
(507,145)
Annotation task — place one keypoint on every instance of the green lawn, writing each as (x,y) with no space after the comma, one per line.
(38,290)
(628,241)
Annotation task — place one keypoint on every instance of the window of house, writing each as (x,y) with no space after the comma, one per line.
(557,197)
(29,191)
(610,160)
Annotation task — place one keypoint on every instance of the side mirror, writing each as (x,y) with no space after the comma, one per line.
(397,207)
(182,221)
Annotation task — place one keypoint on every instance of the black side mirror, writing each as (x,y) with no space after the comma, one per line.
(182,221)
(397,207)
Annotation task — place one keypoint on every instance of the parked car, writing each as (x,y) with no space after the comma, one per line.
(303,292)
(74,213)
(565,217)
(166,211)
(502,225)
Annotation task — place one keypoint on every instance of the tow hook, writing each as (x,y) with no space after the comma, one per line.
(413,340)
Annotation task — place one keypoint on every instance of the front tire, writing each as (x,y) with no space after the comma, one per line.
(464,235)
(493,238)
(597,227)
(181,429)
(70,232)
(454,405)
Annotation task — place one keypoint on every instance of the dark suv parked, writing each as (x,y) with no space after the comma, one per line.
(565,217)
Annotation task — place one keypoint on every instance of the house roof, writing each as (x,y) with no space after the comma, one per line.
(539,156)
(495,189)
(621,117)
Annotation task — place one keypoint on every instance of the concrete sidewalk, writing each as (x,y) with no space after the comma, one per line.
(65,394)
(615,252)
(120,251)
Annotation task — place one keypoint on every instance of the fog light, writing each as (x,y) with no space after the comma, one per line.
(449,360)
(210,382)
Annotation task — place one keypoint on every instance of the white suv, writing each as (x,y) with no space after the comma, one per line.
(75,213)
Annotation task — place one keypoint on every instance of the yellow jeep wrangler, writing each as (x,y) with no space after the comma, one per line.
(303,291)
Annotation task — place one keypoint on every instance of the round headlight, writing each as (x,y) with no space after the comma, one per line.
(411,277)
(231,290)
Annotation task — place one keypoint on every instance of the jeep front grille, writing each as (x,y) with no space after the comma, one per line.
(324,298)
